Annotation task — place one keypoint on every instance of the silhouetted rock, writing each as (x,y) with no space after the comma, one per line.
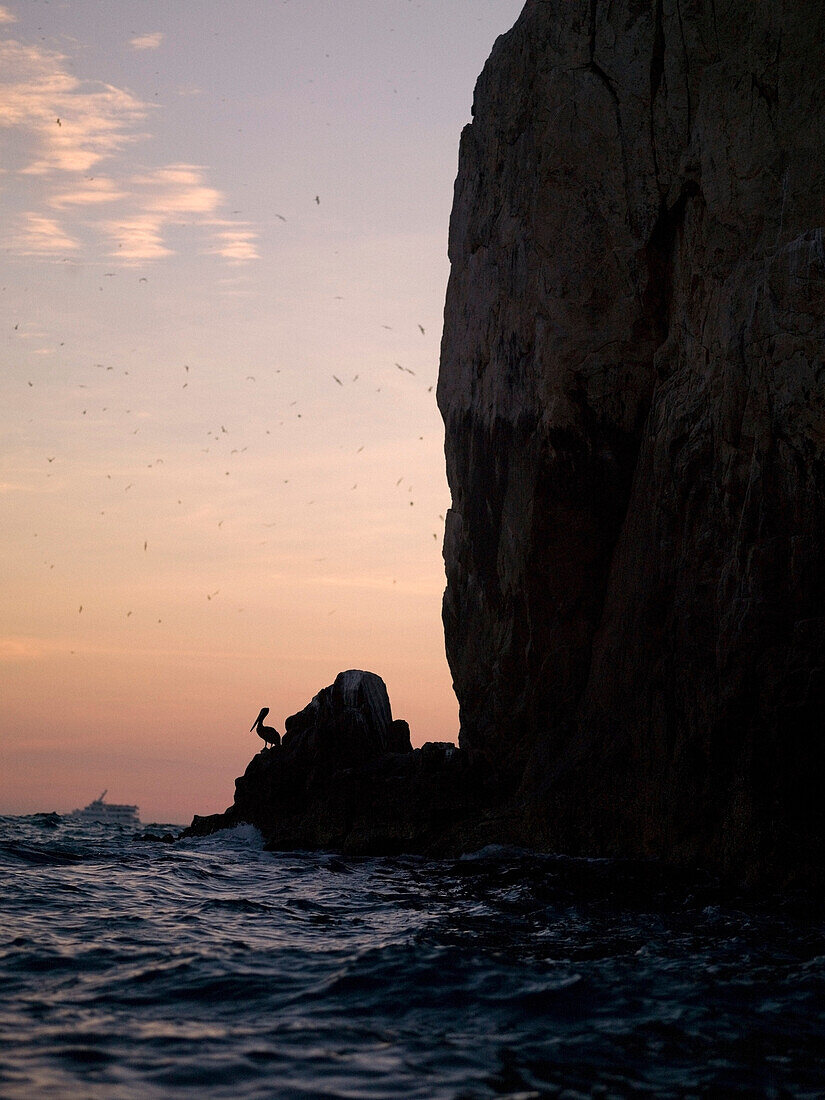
(156,838)
(206,824)
(344,725)
(634,398)
(347,778)
(398,737)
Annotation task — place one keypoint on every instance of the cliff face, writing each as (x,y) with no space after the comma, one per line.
(633,388)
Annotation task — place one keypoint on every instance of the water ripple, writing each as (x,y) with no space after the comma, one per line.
(212,968)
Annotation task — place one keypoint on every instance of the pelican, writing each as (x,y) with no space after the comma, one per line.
(269,735)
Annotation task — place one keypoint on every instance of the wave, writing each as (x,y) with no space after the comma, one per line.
(40,856)
(238,838)
(211,967)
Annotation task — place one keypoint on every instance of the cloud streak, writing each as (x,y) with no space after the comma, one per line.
(65,125)
(61,130)
(146,41)
(41,236)
(137,238)
(179,189)
(235,243)
(91,192)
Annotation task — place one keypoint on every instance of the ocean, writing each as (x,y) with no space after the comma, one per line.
(211,968)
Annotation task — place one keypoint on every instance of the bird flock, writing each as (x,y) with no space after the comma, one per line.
(218,438)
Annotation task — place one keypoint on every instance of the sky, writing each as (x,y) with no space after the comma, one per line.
(223,231)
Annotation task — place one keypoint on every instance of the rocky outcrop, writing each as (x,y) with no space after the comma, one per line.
(345,724)
(633,387)
(346,777)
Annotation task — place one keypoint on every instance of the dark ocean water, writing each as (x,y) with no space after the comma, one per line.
(210,968)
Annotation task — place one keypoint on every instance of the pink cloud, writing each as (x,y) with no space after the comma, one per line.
(41,236)
(146,41)
(137,238)
(64,128)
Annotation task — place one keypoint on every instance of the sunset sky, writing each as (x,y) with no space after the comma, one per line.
(224,230)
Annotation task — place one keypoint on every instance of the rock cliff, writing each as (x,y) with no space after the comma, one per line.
(633,387)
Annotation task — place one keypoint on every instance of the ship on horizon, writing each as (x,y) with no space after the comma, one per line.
(107,813)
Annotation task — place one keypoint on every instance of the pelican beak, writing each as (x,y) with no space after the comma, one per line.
(254,724)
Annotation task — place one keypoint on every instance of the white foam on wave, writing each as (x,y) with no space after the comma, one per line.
(243,836)
(494,851)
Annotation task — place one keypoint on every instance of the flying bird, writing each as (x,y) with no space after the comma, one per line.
(267,734)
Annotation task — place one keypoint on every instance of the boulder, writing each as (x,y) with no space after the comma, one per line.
(344,725)
(398,736)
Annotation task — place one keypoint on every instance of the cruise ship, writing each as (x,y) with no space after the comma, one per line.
(107,813)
